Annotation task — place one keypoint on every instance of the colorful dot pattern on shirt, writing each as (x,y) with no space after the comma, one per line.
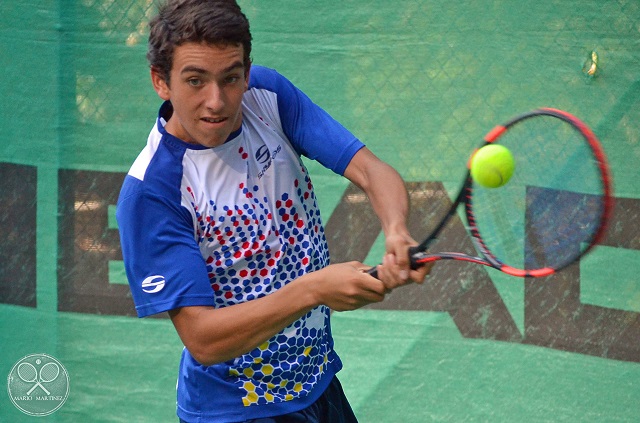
(256,248)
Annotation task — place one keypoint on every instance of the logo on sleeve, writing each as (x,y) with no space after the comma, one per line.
(153,284)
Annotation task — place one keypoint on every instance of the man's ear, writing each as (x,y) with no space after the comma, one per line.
(160,84)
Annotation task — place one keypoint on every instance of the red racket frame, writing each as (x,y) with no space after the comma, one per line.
(418,254)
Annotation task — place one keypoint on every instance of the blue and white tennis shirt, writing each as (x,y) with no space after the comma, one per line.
(225,225)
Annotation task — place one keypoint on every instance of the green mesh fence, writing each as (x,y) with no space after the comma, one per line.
(420,82)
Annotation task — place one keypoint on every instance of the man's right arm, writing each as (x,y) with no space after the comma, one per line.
(216,335)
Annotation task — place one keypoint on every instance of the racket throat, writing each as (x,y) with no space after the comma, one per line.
(484,252)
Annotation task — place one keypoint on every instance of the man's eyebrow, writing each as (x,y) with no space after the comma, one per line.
(234,66)
(195,69)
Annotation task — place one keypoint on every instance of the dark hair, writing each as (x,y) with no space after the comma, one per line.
(181,21)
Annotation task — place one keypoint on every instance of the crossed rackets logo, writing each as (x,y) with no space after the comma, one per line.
(38,384)
(47,373)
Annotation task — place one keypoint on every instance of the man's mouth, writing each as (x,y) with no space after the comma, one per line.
(214,120)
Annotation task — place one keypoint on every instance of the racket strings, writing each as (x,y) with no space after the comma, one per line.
(27,372)
(49,372)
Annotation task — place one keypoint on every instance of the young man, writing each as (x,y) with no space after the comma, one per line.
(220,228)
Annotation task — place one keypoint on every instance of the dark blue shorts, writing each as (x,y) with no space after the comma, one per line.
(331,407)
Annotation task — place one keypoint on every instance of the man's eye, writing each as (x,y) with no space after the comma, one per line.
(194,82)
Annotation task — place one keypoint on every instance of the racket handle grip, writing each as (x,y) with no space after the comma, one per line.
(373,272)
(412,257)
(412,252)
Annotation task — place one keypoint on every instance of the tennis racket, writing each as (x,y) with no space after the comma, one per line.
(552,212)
(28,373)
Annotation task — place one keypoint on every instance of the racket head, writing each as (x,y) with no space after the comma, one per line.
(49,372)
(557,204)
(27,372)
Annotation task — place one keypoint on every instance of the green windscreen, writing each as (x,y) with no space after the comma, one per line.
(420,82)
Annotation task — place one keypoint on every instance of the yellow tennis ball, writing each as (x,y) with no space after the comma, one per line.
(492,166)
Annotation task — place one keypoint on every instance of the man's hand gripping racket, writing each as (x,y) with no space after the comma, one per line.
(553,210)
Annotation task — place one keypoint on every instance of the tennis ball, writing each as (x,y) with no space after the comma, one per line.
(492,166)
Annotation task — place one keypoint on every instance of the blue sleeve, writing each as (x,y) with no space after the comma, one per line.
(311,130)
(163,262)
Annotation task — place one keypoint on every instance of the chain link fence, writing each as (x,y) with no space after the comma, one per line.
(420,82)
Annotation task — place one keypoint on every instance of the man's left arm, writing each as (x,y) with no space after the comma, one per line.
(388,196)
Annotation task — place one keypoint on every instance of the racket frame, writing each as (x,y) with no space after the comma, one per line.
(419,255)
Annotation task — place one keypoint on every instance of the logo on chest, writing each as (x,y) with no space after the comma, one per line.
(265,157)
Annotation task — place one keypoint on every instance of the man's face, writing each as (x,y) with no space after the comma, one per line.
(206,86)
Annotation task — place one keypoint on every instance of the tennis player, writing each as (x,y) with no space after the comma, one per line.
(220,226)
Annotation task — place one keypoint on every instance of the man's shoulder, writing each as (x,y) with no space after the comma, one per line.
(262,77)
(259,72)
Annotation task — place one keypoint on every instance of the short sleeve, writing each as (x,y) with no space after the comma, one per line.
(312,131)
(164,265)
